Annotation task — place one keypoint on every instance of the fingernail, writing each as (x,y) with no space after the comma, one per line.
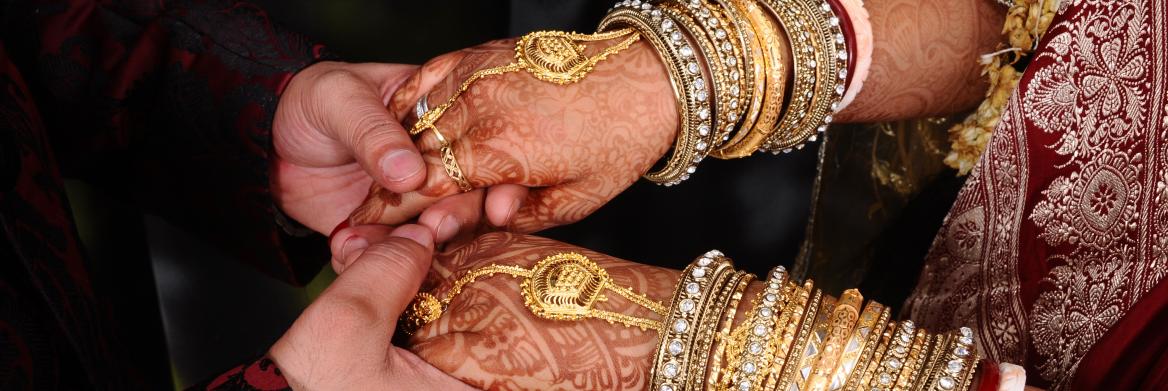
(447,228)
(511,212)
(417,233)
(352,246)
(401,164)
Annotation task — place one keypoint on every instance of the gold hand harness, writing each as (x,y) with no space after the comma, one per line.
(563,286)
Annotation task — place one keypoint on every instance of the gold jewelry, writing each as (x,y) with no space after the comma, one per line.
(814,344)
(861,347)
(751,353)
(661,32)
(793,362)
(722,338)
(724,58)
(708,84)
(562,286)
(876,363)
(827,67)
(711,318)
(676,347)
(788,321)
(913,363)
(960,361)
(765,116)
(896,357)
(553,56)
(840,325)
(450,163)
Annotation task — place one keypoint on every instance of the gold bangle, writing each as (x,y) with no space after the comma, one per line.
(754,338)
(896,357)
(661,32)
(876,364)
(829,66)
(813,347)
(789,327)
(913,362)
(804,64)
(562,286)
(710,320)
(720,32)
(862,347)
(795,355)
(840,325)
(711,88)
(959,362)
(722,338)
(762,124)
(676,346)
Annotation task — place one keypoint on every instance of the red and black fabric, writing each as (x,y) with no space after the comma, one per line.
(169,103)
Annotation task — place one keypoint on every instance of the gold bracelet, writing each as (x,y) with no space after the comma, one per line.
(829,66)
(861,347)
(774,49)
(813,347)
(876,364)
(793,362)
(896,357)
(912,364)
(722,338)
(840,325)
(754,338)
(711,317)
(676,346)
(661,31)
(803,66)
(709,91)
(960,361)
(562,286)
(720,32)
(789,327)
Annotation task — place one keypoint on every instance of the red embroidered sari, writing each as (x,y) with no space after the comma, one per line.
(1057,247)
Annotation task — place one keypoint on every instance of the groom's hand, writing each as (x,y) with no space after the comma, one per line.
(342,340)
(334,136)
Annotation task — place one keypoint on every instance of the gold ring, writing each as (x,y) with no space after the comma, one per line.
(453,170)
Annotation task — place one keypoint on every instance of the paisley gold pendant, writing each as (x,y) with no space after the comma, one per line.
(559,57)
(564,286)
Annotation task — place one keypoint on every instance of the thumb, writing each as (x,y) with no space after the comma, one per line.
(355,115)
(380,282)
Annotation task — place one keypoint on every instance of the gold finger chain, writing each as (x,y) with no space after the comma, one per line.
(563,286)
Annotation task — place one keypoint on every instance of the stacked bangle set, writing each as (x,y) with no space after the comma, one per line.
(748,75)
(794,337)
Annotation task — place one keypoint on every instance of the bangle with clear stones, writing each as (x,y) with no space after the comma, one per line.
(661,31)
(675,348)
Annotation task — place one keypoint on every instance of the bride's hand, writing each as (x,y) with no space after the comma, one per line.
(488,338)
(575,146)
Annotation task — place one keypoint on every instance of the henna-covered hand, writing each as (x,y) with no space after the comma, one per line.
(576,146)
(490,340)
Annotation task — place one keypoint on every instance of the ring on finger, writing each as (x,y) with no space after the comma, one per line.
(450,163)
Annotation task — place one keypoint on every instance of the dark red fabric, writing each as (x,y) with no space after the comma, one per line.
(1134,353)
(989,378)
(261,374)
(168,104)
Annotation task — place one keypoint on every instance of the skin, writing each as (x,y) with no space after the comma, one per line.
(578,146)
(342,340)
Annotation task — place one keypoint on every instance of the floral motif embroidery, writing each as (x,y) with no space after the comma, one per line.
(1095,211)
